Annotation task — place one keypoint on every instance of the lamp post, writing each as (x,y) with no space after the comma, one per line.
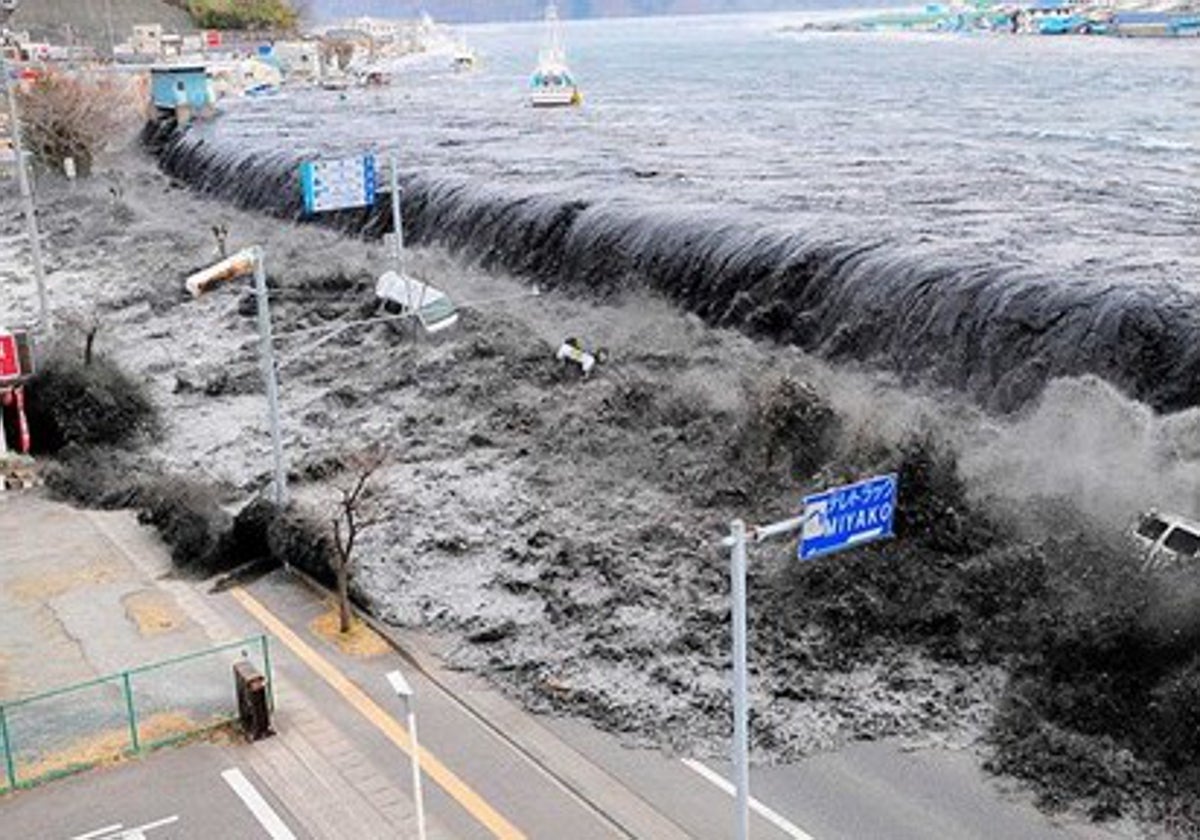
(7,9)
(404,692)
(244,261)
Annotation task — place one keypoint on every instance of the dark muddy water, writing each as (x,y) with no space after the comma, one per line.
(984,212)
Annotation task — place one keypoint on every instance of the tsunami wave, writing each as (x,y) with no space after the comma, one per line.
(994,333)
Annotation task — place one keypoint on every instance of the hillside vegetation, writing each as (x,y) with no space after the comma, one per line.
(243,14)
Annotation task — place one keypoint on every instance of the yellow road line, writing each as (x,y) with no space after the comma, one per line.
(472,802)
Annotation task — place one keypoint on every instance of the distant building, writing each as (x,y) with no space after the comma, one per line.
(181,89)
(299,59)
(147,39)
(1030,17)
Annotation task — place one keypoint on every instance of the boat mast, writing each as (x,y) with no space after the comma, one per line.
(553,51)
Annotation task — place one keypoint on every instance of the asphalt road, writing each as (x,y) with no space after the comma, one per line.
(177,794)
(341,735)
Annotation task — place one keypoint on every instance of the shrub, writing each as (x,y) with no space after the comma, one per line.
(190,520)
(1175,712)
(933,508)
(74,115)
(87,405)
(944,583)
(262,531)
(295,537)
(243,14)
(788,432)
(95,477)
(1065,766)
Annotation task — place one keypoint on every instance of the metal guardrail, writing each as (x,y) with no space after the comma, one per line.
(63,731)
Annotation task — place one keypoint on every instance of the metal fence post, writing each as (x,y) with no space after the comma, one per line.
(9,767)
(133,732)
(266,650)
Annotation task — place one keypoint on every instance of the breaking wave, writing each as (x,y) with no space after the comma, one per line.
(997,334)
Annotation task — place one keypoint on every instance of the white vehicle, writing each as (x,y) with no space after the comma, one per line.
(572,350)
(401,294)
(1169,540)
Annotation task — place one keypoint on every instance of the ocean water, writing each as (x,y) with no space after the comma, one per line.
(987,211)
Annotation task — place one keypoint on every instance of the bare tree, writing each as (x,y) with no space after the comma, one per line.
(87,321)
(221,234)
(77,115)
(351,518)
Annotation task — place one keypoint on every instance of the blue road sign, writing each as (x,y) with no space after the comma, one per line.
(848,516)
(338,184)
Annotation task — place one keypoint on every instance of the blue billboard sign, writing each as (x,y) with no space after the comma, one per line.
(338,184)
(848,516)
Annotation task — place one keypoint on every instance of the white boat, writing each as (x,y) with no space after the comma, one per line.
(552,84)
(464,58)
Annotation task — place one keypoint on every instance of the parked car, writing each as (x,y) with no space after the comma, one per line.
(1168,539)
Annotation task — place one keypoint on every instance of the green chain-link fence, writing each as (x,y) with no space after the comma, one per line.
(59,732)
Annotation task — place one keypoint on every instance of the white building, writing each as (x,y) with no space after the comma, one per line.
(299,59)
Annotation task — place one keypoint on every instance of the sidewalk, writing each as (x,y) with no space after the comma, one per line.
(339,764)
(85,594)
(316,768)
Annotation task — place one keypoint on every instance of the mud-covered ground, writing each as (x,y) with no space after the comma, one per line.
(561,532)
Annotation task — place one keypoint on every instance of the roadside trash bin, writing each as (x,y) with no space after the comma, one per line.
(254,713)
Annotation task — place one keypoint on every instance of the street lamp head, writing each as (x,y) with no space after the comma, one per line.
(399,684)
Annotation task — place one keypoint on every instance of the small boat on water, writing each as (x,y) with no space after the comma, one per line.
(552,84)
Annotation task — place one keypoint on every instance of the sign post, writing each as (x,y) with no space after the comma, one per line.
(831,521)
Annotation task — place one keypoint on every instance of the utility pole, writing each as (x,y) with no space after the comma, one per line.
(7,8)
(248,260)
(270,375)
(108,23)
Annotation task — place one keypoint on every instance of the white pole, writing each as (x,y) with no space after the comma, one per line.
(270,376)
(741,768)
(35,242)
(398,228)
(416,768)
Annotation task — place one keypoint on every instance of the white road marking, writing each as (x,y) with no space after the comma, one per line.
(115,832)
(98,831)
(258,806)
(773,817)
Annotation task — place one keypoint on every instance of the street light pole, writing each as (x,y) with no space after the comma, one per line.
(270,375)
(404,692)
(238,265)
(741,739)
(14,122)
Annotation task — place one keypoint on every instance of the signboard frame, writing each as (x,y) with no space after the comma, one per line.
(338,183)
(14,361)
(860,513)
